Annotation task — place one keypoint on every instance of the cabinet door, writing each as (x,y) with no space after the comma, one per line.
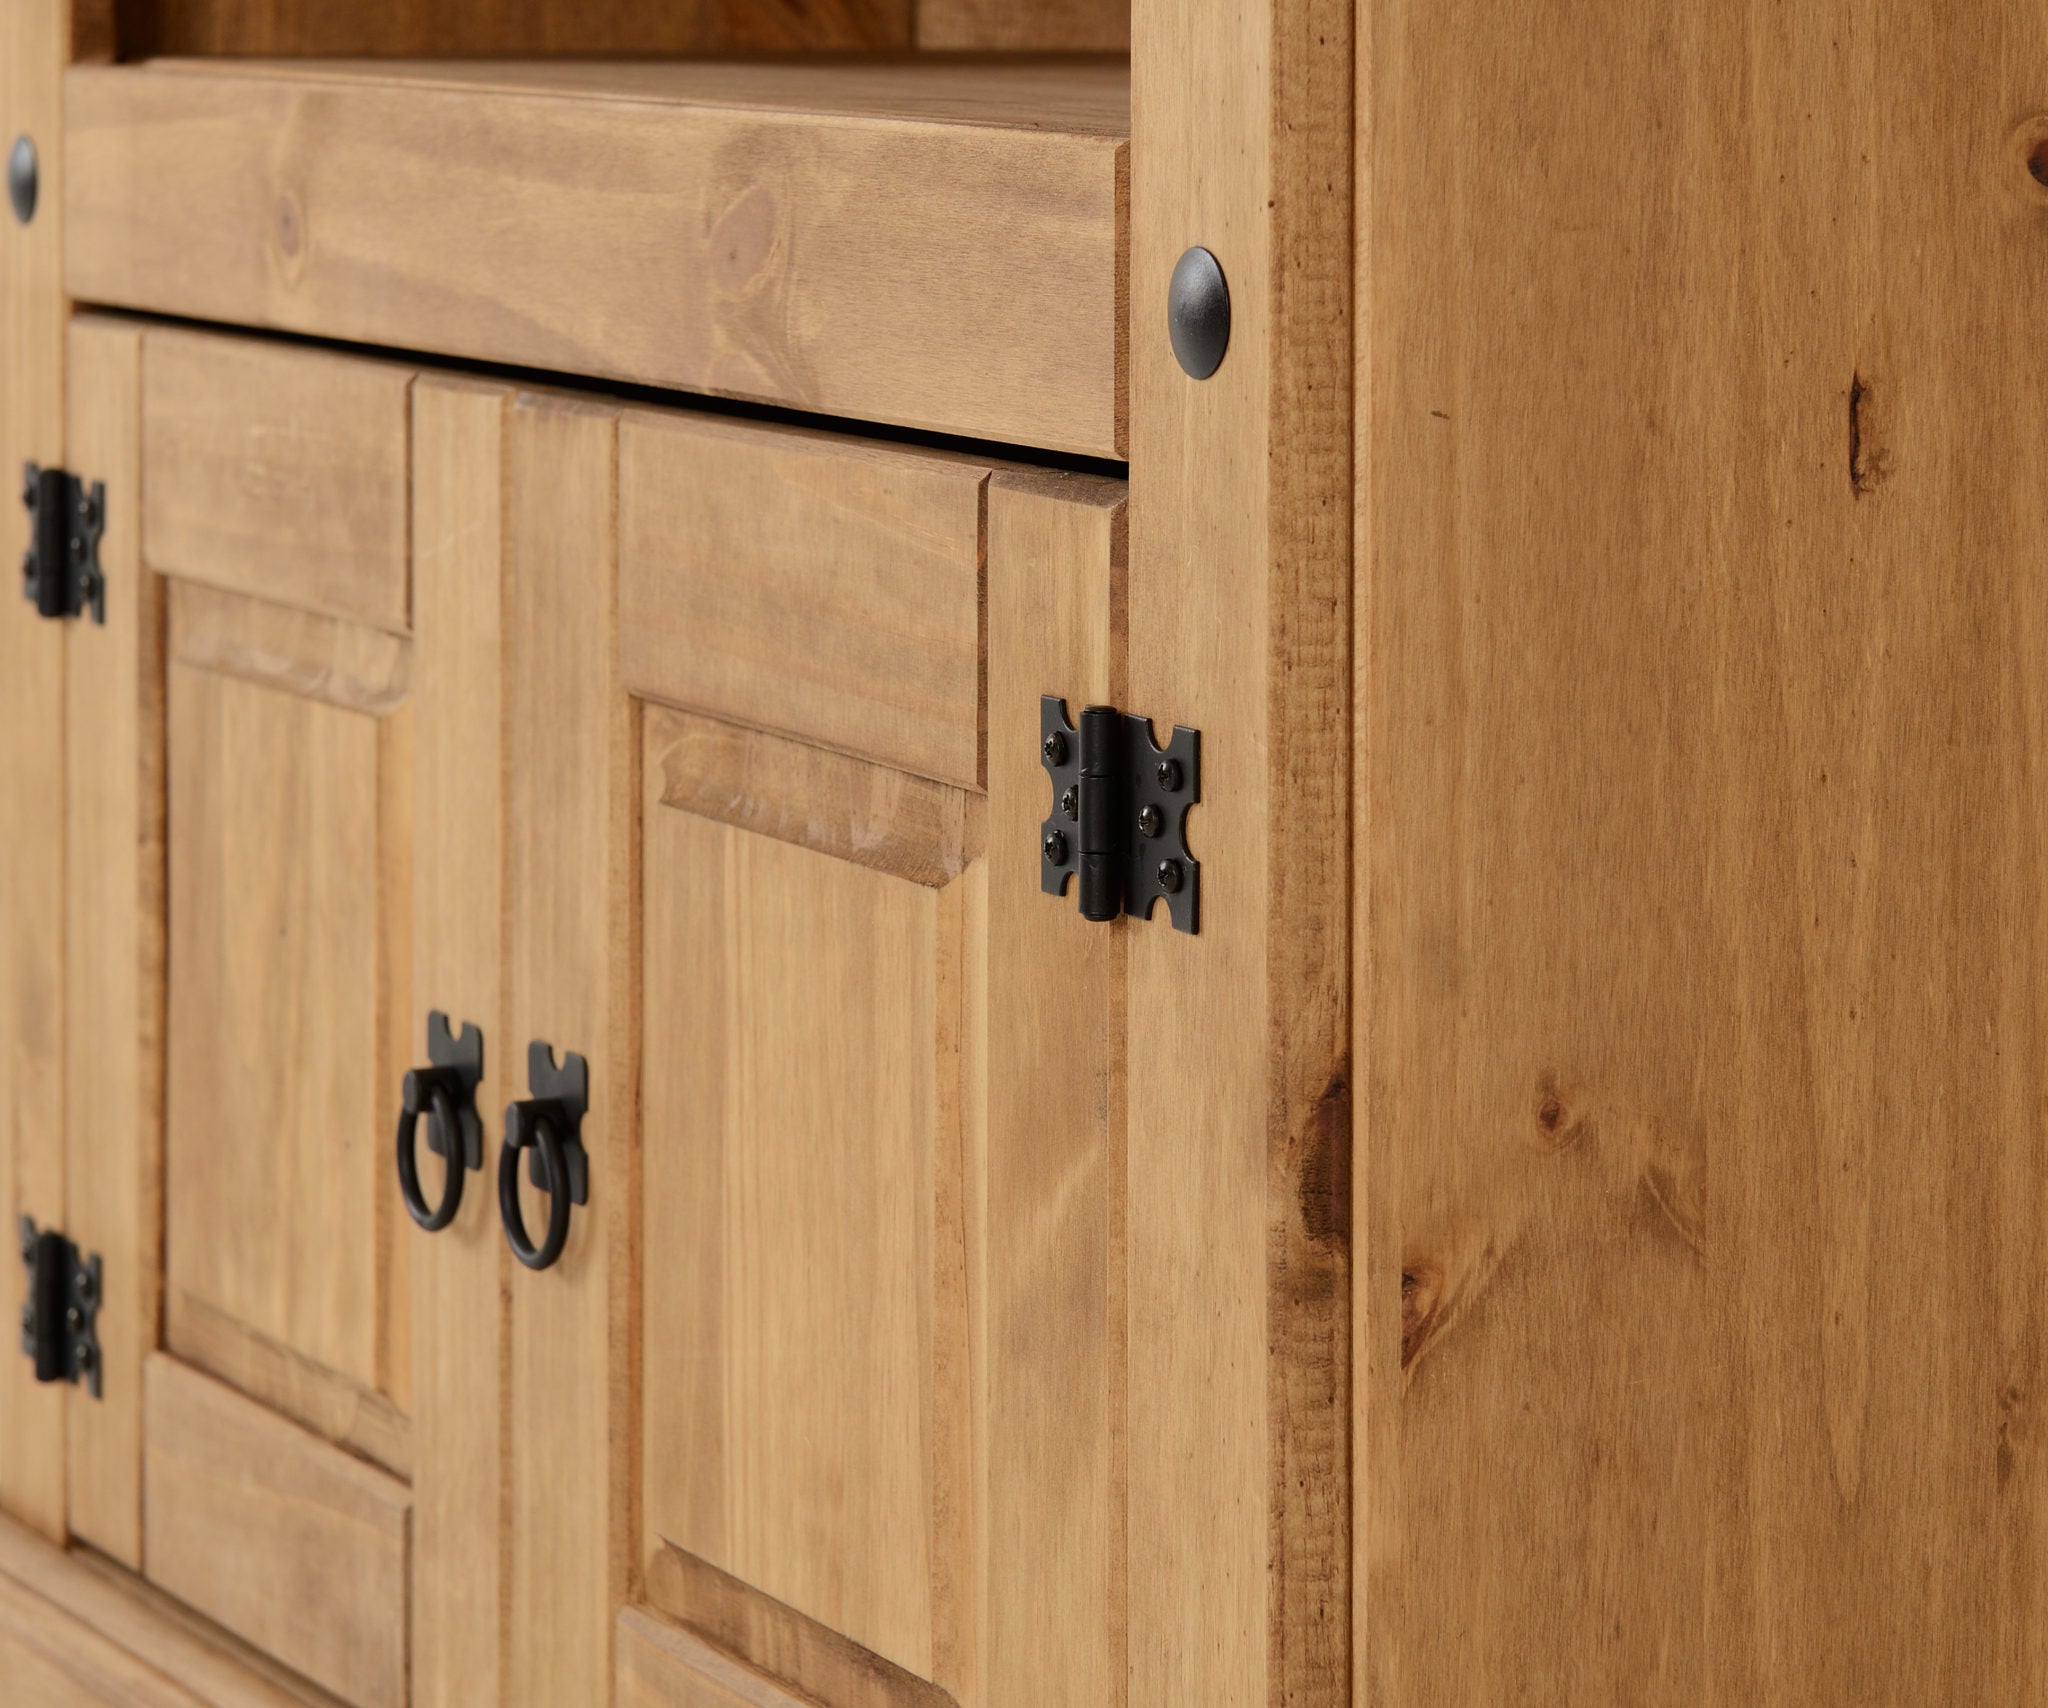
(242,795)
(880,1112)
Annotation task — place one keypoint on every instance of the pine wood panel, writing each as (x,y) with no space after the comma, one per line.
(114,925)
(35,42)
(819,585)
(282,1538)
(1024,26)
(460,1274)
(571,875)
(1239,1072)
(86,1603)
(288,1382)
(664,1666)
(801,237)
(497,27)
(336,662)
(276,1119)
(277,471)
(48,1661)
(813,1660)
(1702,727)
(1053,1195)
(803,1064)
(889,821)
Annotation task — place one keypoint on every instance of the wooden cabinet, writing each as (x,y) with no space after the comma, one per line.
(585,545)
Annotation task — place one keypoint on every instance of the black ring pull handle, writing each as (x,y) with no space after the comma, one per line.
(550,1122)
(446,1094)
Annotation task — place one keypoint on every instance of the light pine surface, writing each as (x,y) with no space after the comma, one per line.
(460,1276)
(114,945)
(277,472)
(1702,850)
(1239,1088)
(570,868)
(1051,1283)
(285,1540)
(35,44)
(274,904)
(823,586)
(804,1357)
(928,251)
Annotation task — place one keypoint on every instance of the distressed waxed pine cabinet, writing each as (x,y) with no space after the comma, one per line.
(587,505)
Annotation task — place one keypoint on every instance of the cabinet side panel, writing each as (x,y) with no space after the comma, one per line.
(1707,861)
(115,945)
(34,44)
(1240,1071)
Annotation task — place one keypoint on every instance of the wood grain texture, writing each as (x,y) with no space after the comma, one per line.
(774,1639)
(1702,727)
(889,821)
(1053,1187)
(328,659)
(665,1666)
(763,250)
(35,43)
(289,1383)
(460,1275)
(274,905)
(278,472)
(1239,1077)
(86,1602)
(571,874)
(823,586)
(308,27)
(114,942)
(48,1660)
(803,1064)
(285,1540)
(1024,26)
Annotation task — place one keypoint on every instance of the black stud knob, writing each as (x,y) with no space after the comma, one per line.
(1198,313)
(1056,848)
(22,179)
(1169,876)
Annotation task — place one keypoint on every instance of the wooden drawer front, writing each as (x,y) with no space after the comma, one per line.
(936,246)
(277,471)
(823,586)
(806,1059)
(288,1542)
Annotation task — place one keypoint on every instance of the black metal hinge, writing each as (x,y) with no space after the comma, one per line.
(60,575)
(1119,813)
(60,1320)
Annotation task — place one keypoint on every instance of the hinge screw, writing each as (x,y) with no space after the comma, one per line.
(28,1320)
(1169,876)
(88,513)
(28,486)
(1055,749)
(1169,775)
(1056,848)
(83,1359)
(1070,803)
(74,1319)
(82,1285)
(1149,821)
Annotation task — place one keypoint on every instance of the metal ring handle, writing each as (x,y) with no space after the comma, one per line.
(441,1110)
(556,1172)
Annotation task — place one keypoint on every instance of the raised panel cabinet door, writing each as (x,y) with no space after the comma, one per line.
(242,786)
(880,1336)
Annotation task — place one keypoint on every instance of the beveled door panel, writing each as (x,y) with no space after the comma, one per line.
(806,1067)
